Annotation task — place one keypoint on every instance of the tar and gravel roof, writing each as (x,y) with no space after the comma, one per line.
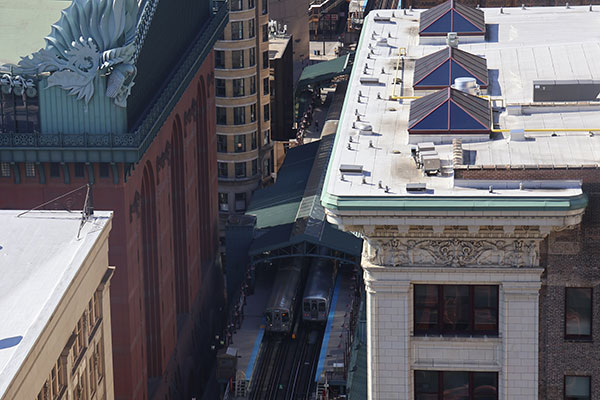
(521,46)
(40,255)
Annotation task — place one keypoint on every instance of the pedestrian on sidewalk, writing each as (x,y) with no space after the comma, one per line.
(316,124)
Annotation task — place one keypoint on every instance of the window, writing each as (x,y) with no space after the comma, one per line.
(240,170)
(251,28)
(455,309)
(4,170)
(252,112)
(578,388)
(103,170)
(237,59)
(30,170)
(237,30)
(252,84)
(251,57)
(254,140)
(223,173)
(265,33)
(265,59)
(578,313)
(221,144)
(236,5)
(265,86)
(267,137)
(439,385)
(219,59)
(250,4)
(238,87)
(221,116)
(79,170)
(265,6)
(220,88)
(266,167)
(239,115)
(223,202)
(254,167)
(240,143)
(266,112)
(240,202)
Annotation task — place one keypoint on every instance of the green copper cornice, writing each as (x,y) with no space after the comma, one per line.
(448,203)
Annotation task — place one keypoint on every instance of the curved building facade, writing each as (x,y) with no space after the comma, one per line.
(244,149)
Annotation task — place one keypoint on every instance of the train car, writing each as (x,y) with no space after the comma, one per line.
(279,313)
(319,289)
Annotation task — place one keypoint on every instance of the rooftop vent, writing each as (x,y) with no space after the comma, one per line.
(416,187)
(452,39)
(369,79)
(351,169)
(363,127)
(517,135)
(467,85)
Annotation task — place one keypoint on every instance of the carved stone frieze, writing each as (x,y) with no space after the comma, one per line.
(454,252)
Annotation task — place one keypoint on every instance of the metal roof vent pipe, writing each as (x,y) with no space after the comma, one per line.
(452,39)
(467,85)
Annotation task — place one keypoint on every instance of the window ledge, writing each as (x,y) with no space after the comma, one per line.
(457,338)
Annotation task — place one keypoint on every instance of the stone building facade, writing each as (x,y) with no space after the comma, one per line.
(62,343)
(569,259)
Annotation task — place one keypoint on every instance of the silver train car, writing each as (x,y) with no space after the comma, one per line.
(318,291)
(279,313)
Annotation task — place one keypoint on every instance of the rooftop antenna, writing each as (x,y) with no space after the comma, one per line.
(86,212)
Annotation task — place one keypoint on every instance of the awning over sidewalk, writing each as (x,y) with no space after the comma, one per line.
(326,70)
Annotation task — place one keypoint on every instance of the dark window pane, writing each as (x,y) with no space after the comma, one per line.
(103,170)
(265,33)
(237,59)
(79,170)
(236,5)
(485,386)
(221,116)
(220,87)
(219,59)
(486,308)
(577,388)
(456,386)
(252,57)
(55,170)
(426,385)
(221,143)
(485,296)
(426,307)
(579,312)
(456,308)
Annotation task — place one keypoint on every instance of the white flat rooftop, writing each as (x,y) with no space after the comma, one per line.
(40,255)
(539,43)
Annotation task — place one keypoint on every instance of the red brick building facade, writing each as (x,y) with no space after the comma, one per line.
(168,288)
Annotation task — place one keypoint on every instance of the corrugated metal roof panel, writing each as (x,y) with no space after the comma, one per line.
(447,110)
(451,17)
(439,69)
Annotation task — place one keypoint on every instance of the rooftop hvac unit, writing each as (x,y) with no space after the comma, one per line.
(416,187)
(567,90)
(467,85)
(517,135)
(452,39)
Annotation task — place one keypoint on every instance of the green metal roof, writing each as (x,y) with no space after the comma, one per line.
(278,204)
(325,70)
(24,24)
(289,212)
